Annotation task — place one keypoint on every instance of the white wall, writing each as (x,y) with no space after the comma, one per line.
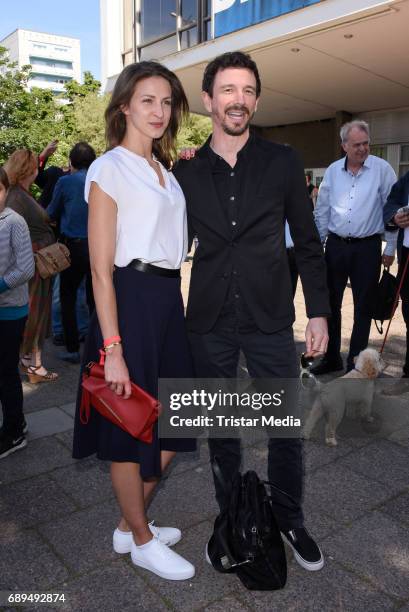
(11,43)
(111,39)
(21,45)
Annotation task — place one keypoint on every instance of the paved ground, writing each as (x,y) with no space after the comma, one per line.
(57,514)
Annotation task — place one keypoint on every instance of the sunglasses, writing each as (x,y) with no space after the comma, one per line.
(308,380)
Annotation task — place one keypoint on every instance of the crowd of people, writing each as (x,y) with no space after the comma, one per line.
(128,219)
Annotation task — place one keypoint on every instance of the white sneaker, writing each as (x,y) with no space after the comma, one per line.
(161,560)
(122,540)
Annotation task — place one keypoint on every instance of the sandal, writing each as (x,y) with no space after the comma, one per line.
(35,378)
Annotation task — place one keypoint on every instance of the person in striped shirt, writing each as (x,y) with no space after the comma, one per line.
(16,268)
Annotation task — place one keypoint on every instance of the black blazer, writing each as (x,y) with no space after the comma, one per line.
(256,253)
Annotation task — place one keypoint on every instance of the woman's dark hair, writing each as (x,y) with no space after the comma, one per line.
(164,147)
(234,59)
(4,179)
(82,155)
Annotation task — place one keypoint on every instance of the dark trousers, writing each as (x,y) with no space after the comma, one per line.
(404,294)
(216,355)
(11,392)
(70,280)
(360,262)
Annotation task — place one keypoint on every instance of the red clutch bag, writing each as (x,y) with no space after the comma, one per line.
(135,415)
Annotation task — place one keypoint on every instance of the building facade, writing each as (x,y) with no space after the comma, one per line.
(321,62)
(55,60)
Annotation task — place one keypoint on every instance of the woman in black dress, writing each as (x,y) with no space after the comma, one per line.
(138,240)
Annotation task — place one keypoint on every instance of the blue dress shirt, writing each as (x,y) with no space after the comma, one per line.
(352,204)
(69,206)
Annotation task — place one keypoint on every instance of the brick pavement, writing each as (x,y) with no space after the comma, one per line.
(57,514)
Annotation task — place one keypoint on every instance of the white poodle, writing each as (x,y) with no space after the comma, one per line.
(356,387)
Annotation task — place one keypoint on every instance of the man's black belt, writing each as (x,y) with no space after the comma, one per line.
(141,266)
(352,238)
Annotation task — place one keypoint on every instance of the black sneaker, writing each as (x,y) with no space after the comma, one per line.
(25,429)
(306,552)
(10,444)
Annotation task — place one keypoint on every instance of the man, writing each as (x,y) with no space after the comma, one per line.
(311,188)
(394,221)
(69,207)
(348,215)
(239,190)
(47,178)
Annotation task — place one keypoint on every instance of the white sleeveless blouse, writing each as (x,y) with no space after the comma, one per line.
(151,221)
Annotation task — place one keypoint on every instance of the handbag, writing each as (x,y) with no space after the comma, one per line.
(384,299)
(246,539)
(52,259)
(135,415)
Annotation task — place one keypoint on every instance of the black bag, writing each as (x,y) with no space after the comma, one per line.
(384,299)
(246,539)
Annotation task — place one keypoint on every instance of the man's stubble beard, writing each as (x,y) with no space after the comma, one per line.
(235,131)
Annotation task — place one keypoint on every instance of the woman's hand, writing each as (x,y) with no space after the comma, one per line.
(116,372)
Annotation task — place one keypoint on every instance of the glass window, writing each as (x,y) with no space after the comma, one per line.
(158,17)
(51,63)
(189,38)
(404,160)
(189,11)
(404,154)
(208,30)
(159,49)
(380,151)
(37,76)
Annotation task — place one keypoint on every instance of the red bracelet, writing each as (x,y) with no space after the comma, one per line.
(111,340)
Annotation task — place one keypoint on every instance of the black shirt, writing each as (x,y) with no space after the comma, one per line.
(228,182)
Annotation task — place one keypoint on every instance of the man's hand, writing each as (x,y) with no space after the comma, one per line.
(316,337)
(387,260)
(401,220)
(49,149)
(187,153)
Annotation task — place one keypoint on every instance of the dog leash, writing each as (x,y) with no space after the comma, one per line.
(395,303)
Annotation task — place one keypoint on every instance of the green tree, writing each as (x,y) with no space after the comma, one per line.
(73,89)
(27,118)
(194,132)
(88,120)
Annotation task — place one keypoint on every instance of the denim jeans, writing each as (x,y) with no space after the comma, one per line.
(82,308)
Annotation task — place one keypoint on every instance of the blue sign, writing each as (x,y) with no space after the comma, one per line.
(231,15)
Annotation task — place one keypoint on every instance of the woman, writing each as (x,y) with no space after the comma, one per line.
(16,267)
(22,170)
(138,240)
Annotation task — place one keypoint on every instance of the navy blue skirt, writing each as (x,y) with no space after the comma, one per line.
(154,341)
